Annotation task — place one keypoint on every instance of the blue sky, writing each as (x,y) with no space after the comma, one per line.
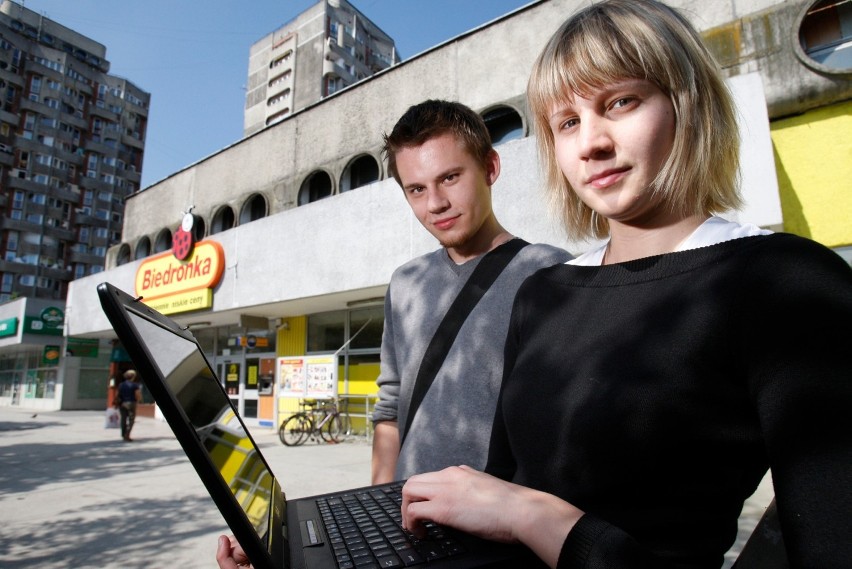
(192,56)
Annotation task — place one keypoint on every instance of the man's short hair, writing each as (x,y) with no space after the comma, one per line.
(433,118)
(642,39)
(130,375)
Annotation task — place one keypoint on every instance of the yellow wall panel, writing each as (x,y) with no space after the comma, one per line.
(813,159)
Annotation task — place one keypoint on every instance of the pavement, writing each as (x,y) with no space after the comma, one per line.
(73,494)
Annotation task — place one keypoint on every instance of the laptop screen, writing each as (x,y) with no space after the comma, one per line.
(194,386)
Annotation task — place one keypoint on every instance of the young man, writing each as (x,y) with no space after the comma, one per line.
(129,395)
(440,153)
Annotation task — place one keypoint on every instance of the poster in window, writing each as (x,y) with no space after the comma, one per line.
(307,376)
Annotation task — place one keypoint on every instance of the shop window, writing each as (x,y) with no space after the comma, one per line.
(316,187)
(163,242)
(359,330)
(825,35)
(222,220)
(143,248)
(360,172)
(254,208)
(504,124)
(366,325)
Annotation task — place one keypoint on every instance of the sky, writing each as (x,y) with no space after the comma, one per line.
(192,56)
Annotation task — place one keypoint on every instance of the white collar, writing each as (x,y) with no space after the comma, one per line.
(714,230)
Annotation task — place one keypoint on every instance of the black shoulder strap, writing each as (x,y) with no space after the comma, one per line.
(483,276)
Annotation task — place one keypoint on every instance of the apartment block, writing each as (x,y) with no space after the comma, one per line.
(324,49)
(72,140)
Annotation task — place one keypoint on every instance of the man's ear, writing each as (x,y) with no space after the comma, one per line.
(492,167)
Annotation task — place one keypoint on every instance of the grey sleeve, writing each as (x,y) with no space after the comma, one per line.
(388,380)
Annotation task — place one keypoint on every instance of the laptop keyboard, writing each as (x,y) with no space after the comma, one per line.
(365,532)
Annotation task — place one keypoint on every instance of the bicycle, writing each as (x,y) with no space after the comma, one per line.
(316,420)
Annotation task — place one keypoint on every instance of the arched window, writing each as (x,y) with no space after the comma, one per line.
(504,124)
(143,248)
(198,227)
(360,172)
(254,208)
(825,35)
(163,242)
(123,256)
(223,220)
(315,187)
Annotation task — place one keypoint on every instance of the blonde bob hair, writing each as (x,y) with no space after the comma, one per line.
(641,39)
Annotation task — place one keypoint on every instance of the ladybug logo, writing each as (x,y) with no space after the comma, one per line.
(183,241)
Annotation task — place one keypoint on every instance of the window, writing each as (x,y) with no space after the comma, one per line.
(163,241)
(254,208)
(316,187)
(825,34)
(123,256)
(223,220)
(143,248)
(504,124)
(360,172)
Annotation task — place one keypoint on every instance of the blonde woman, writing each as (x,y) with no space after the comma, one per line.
(650,383)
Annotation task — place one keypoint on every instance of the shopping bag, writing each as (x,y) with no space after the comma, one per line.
(112,418)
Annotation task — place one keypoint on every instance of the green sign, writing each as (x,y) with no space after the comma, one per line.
(53,317)
(35,325)
(50,356)
(8,327)
(83,347)
(48,323)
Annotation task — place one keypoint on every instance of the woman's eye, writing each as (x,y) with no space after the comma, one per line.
(622,102)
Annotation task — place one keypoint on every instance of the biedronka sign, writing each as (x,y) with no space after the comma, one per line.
(170,285)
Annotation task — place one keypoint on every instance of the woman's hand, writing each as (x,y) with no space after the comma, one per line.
(229,554)
(488,507)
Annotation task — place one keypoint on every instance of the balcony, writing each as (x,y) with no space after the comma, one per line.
(88,258)
(8,117)
(12,78)
(332,68)
(99,147)
(103,112)
(132,141)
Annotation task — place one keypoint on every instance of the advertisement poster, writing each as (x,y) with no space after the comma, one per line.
(307,376)
(291,377)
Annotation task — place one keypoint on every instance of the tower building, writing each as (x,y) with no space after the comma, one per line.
(324,49)
(72,140)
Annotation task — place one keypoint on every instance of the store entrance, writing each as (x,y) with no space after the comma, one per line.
(248,380)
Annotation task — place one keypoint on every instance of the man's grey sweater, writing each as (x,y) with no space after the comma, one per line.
(453,424)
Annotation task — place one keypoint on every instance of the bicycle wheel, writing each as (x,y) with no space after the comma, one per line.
(333,429)
(294,431)
(346,424)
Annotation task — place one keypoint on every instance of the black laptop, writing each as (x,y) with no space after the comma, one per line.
(359,528)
